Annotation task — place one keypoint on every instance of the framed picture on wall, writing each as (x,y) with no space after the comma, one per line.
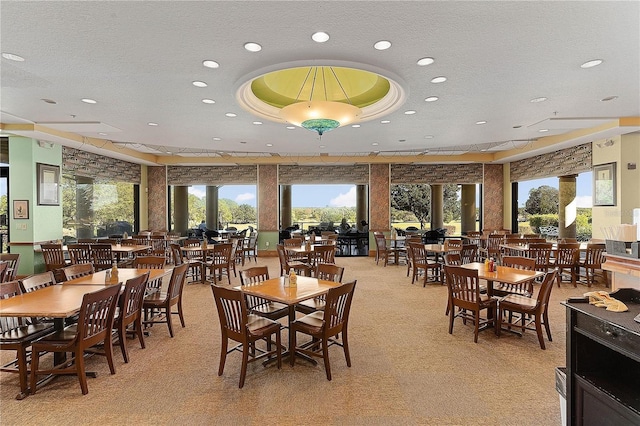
(48,184)
(21,209)
(604,185)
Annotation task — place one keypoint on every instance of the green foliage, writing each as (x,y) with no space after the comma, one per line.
(244,213)
(412,198)
(583,227)
(538,220)
(3,203)
(451,202)
(197,210)
(542,200)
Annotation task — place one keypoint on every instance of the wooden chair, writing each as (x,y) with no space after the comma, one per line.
(79,270)
(421,262)
(522,289)
(251,249)
(323,254)
(469,253)
(54,258)
(257,305)
(323,271)
(541,253)
(161,303)
(151,262)
(80,253)
(324,326)
(37,281)
(529,310)
(567,257)
(473,237)
(287,265)
(94,327)
(16,334)
(219,262)
(130,312)
(464,294)
(492,248)
(592,262)
(237,324)
(382,251)
(454,245)
(14,262)
(102,256)
(4,272)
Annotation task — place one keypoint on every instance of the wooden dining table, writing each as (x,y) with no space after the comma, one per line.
(502,274)
(124,274)
(275,290)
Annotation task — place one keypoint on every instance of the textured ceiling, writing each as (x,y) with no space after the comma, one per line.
(138,61)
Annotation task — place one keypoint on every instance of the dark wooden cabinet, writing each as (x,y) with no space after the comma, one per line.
(603,363)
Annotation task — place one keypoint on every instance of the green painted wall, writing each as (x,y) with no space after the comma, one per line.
(45,222)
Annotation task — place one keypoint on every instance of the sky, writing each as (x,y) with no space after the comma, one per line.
(345,195)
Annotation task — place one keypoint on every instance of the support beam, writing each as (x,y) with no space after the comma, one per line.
(468,208)
(181,209)
(212,217)
(285,206)
(437,211)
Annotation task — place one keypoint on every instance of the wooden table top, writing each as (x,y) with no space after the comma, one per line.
(440,248)
(503,274)
(301,249)
(56,301)
(275,290)
(124,274)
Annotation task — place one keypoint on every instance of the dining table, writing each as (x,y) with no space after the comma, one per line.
(274,289)
(99,278)
(502,274)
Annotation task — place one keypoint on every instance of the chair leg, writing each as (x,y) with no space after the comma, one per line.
(35,360)
(451,317)
(292,348)
(223,355)
(82,377)
(325,355)
(108,351)
(21,355)
(345,346)
(545,318)
(243,368)
(167,313)
(476,328)
(539,331)
(180,312)
(138,330)
(122,337)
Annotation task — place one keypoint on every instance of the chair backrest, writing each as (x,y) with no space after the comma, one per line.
(337,307)
(381,243)
(79,270)
(80,253)
(253,276)
(329,272)
(567,254)
(541,253)
(192,242)
(232,312)
(176,284)
(37,281)
(453,259)
(7,290)
(53,256)
(529,236)
(221,254)
(253,240)
(131,300)
(282,256)
(293,242)
(518,262)
(545,290)
(324,254)
(4,271)
(463,285)
(102,256)
(515,241)
(96,315)
(469,253)
(14,261)
(149,262)
(176,254)
(595,255)
(494,241)
(419,254)
(453,244)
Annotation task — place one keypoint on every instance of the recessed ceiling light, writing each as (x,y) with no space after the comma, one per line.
(481,122)
(382,45)
(440,79)
(216,138)
(199,84)
(89,101)
(269,144)
(592,63)
(375,144)
(543,130)
(257,123)
(208,101)
(169,152)
(291,128)
(428,137)
(410,112)
(385,121)
(152,124)
(376,152)
(320,37)
(210,64)
(49,101)
(230,114)
(517,126)
(402,140)
(483,150)
(540,99)
(608,98)
(252,47)
(321,147)
(425,61)
(355,126)
(12,57)
(243,142)
(431,99)
(102,133)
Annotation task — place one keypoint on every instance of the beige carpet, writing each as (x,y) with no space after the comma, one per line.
(406,369)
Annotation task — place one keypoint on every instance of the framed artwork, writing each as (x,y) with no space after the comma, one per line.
(604,185)
(48,184)
(21,209)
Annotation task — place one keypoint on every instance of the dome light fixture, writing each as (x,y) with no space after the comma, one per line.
(320,115)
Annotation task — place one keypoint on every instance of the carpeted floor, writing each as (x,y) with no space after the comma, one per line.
(406,369)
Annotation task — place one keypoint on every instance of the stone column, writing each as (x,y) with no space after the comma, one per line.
(212,207)
(285,206)
(567,207)
(437,211)
(180,209)
(468,208)
(84,207)
(361,205)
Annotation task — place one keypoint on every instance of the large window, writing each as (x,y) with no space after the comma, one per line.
(236,206)
(92,208)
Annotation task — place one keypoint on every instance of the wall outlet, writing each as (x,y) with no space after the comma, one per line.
(266,243)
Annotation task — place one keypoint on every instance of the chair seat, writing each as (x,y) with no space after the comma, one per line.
(315,304)
(257,325)
(269,308)
(503,289)
(62,336)
(25,333)
(517,300)
(312,322)
(157,298)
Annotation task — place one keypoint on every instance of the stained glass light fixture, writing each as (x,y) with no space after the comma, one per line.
(320,114)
